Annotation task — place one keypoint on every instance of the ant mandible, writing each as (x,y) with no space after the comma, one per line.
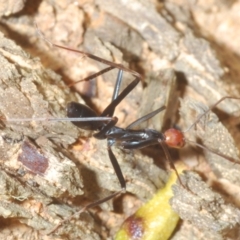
(127,138)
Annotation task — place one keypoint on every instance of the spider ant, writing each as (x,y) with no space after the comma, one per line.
(127,138)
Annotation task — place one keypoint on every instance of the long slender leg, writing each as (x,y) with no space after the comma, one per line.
(50,119)
(115,92)
(89,55)
(117,168)
(92,76)
(111,107)
(167,154)
(146,117)
(118,84)
(85,208)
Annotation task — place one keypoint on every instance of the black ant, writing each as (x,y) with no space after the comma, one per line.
(127,138)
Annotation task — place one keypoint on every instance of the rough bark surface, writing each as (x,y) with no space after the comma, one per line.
(51,169)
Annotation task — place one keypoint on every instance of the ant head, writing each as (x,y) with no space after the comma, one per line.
(174,138)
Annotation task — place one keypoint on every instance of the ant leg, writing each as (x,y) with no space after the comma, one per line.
(88,206)
(116,167)
(89,55)
(117,85)
(146,117)
(72,119)
(111,107)
(111,110)
(86,79)
(168,156)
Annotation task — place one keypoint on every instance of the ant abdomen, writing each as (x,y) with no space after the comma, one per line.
(78,110)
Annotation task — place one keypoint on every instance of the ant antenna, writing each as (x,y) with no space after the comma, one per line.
(231,159)
(206,112)
(213,151)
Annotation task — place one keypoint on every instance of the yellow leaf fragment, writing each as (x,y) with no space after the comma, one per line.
(155,220)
